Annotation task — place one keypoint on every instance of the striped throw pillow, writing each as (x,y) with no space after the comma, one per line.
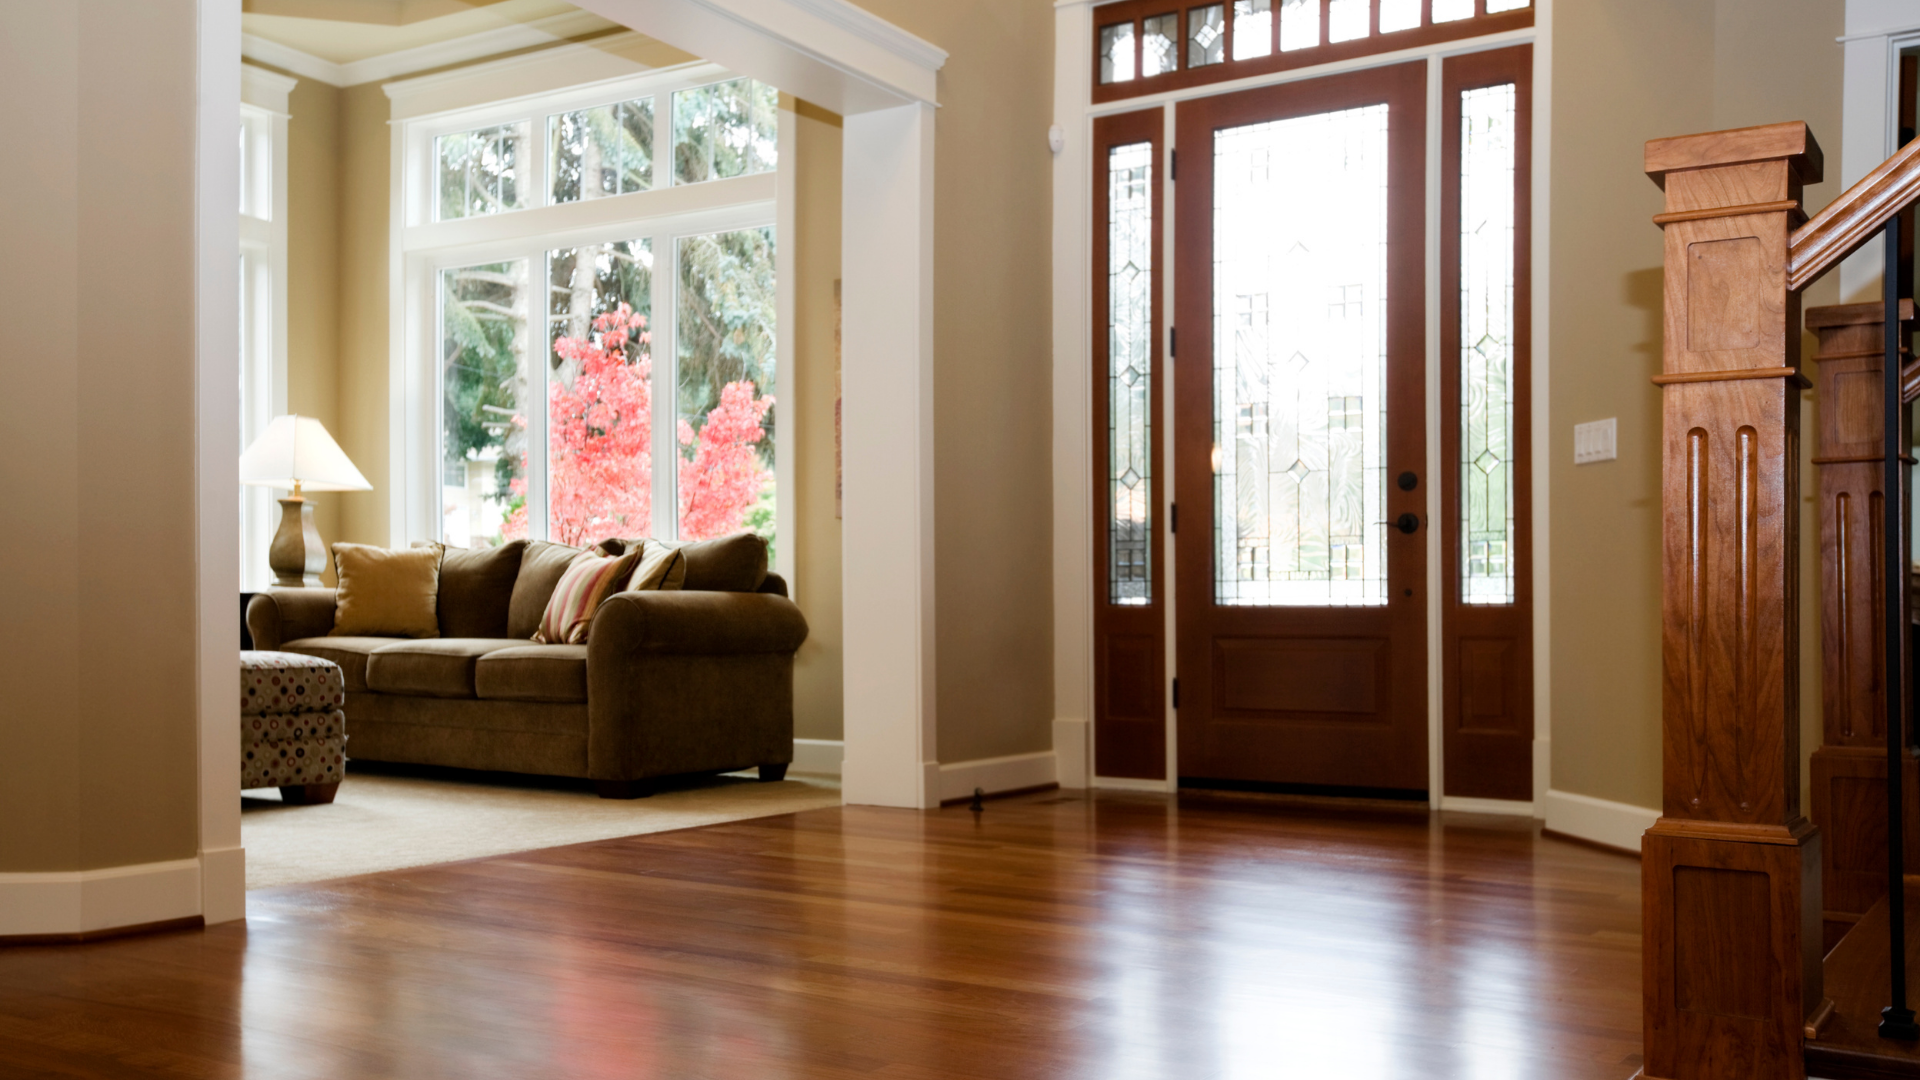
(587,582)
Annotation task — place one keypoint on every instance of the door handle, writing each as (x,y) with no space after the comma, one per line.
(1408,524)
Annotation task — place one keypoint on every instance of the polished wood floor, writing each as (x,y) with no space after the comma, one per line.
(1053,936)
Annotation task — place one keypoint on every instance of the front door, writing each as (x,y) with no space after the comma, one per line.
(1300,433)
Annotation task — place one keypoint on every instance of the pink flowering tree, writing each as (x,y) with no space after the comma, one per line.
(599,445)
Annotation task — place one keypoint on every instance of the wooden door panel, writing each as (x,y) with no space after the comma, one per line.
(1284,679)
(1304,661)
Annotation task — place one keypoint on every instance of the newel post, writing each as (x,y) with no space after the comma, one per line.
(1731,871)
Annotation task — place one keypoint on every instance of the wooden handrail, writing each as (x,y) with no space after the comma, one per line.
(1853,218)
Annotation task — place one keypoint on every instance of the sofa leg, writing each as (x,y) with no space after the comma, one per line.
(623,789)
(309,794)
(773,772)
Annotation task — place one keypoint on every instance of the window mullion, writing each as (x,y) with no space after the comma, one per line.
(666,378)
(538,373)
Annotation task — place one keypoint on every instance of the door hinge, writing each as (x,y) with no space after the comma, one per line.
(1176,691)
(1173,339)
(1173,164)
(1173,517)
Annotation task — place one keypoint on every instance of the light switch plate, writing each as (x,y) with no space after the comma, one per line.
(1597,441)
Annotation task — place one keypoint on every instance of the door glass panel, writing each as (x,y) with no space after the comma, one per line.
(1452,10)
(1130,372)
(484,400)
(1347,20)
(1487,122)
(1160,45)
(1299,331)
(1399,15)
(1252,28)
(1116,53)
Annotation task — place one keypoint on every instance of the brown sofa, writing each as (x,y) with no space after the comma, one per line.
(694,680)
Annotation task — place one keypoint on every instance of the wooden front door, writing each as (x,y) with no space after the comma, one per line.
(1300,433)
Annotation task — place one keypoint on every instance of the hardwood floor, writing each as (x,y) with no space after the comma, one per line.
(1056,935)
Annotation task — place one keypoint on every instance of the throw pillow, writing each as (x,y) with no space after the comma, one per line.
(386,593)
(661,568)
(589,580)
(540,570)
(733,563)
(476,586)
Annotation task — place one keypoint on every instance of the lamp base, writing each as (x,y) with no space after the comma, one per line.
(297,556)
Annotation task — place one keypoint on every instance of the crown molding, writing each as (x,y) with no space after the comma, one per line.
(548,31)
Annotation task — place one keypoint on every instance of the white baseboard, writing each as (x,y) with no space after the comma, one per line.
(1130,783)
(994,775)
(818,757)
(223,884)
(1466,805)
(82,901)
(1071,758)
(1600,821)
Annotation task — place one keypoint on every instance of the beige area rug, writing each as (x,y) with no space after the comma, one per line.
(391,818)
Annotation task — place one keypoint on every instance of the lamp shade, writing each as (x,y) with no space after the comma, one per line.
(297,450)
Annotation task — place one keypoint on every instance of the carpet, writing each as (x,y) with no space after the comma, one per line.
(392,817)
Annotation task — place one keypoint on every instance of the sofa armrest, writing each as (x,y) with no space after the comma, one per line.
(775,585)
(695,624)
(681,682)
(278,616)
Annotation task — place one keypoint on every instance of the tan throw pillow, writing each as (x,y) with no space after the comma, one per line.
(386,593)
(588,581)
(661,568)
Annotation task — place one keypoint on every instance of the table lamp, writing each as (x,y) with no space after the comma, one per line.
(296,452)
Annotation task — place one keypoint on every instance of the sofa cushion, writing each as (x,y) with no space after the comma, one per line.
(282,682)
(588,581)
(533,673)
(384,591)
(540,570)
(349,652)
(439,667)
(733,563)
(476,588)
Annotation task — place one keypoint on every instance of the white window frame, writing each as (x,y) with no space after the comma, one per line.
(664,214)
(263,296)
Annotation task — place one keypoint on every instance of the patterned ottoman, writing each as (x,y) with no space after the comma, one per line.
(293,734)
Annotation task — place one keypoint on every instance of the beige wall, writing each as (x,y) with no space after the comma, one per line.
(992,371)
(313,275)
(98,729)
(1625,72)
(817,700)
(365,183)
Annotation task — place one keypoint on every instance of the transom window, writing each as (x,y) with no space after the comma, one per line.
(597,352)
(1147,46)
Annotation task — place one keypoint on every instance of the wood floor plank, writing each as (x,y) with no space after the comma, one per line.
(1055,935)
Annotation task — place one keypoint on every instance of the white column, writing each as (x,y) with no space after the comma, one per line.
(887,547)
(223,878)
(1072,412)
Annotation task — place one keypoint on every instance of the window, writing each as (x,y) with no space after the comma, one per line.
(262,207)
(1136,40)
(602,362)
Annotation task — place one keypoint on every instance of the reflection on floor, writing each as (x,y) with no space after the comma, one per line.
(391,817)
(1055,935)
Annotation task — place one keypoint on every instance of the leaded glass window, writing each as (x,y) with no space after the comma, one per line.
(1116,53)
(1347,20)
(1452,10)
(1487,131)
(1399,15)
(595,153)
(1252,29)
(1495,6)
(479,172)
(1160,45)
(1299,365)
(1206,35)
(1299,24)
(1130,373)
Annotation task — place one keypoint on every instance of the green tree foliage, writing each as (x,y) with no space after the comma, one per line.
(481,371)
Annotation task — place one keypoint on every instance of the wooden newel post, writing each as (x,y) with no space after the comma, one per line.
(1731,871)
